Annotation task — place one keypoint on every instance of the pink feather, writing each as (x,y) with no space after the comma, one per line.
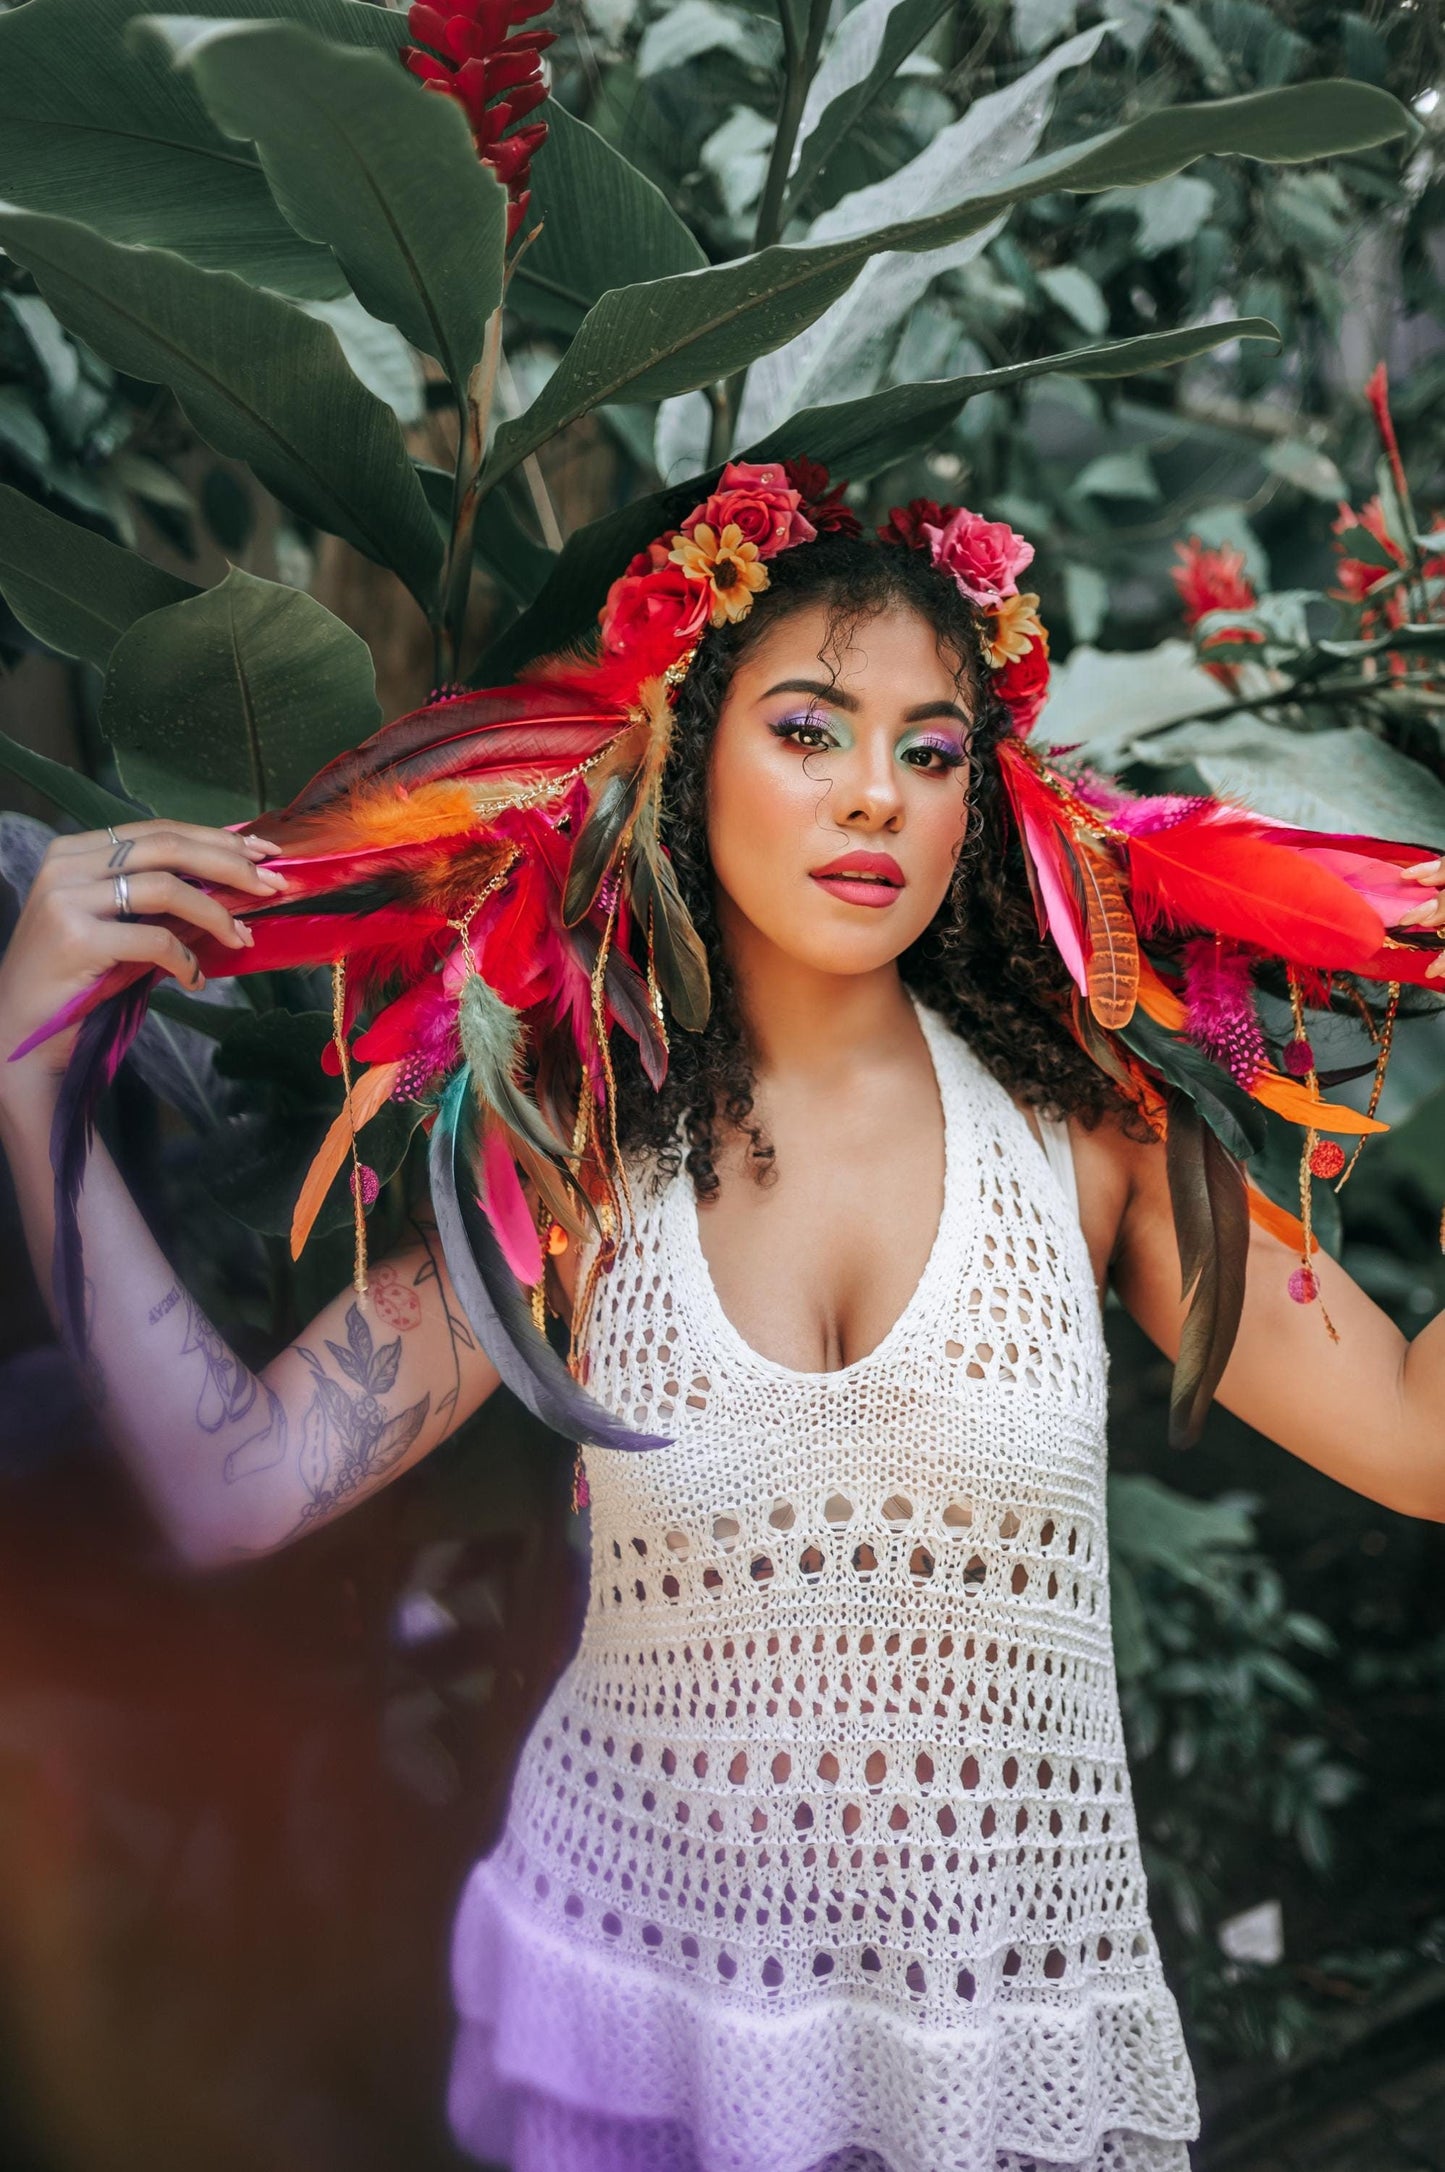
(504,1203)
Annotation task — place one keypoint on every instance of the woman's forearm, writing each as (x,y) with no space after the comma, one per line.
(193,1423)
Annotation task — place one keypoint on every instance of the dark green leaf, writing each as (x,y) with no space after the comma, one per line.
(1359,543)
(604,225)
(224,705)
(259,378)
(858,438)
(75,591)
(671,335)
(94,130)
(362,159)
(860,60)
(84,801)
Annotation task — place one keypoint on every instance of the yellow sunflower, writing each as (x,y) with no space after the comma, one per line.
(728,563)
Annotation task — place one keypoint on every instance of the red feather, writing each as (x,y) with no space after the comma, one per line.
(1223,872)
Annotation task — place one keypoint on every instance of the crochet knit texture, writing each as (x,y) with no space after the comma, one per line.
(822,1851)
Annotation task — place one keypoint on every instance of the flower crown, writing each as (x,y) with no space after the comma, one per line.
(709,569)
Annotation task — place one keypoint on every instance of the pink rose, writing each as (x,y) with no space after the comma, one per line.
(985,557)
(650,609)
(1024,684)
(762,502)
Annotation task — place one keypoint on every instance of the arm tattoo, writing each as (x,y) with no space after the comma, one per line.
(347,1439)
(124,847)
(231,1394)
(458,1330)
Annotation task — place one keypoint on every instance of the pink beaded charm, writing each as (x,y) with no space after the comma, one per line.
(1303,1287)
(370,1184)
(1327,1160)
(1299,1058)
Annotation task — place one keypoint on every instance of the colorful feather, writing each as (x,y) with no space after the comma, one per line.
(1218,871)
(1211,1219)
(492,1300)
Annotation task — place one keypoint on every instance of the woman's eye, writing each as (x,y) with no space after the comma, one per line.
(803,731)
(931,757)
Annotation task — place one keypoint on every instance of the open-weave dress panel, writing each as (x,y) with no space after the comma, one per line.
(825,1837)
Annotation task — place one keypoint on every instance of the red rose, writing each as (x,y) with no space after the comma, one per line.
(1024,684)
(762,502)
(650,608)
(905,523)
(822,499)
(985,557)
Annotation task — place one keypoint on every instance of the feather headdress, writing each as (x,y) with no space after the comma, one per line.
(489,880)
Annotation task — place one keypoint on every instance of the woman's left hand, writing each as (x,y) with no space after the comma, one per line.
(1431,874)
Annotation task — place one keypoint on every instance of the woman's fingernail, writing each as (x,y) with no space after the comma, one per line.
(1415,912)
(272,877)
(245,934)
(261,846)
(1422,867)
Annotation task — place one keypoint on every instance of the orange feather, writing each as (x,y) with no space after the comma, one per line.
(368,1094)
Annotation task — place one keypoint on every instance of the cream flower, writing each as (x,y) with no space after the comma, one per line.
(1013,628)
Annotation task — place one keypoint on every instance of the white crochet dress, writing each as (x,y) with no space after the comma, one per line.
(822,1851)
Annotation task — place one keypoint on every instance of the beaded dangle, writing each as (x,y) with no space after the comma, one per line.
(1318,1157)
(364,1184)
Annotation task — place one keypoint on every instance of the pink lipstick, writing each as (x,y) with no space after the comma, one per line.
(861,878)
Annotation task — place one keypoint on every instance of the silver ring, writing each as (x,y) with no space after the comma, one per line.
(122,898)
(110,833)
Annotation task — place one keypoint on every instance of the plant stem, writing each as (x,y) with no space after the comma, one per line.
(1301,691)
(799,66)
(474,406)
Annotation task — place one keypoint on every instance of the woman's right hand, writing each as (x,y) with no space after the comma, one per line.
(71,930)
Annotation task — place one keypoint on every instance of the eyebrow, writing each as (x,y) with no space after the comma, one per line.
(920,714)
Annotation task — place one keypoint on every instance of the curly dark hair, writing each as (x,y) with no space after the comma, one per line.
(980,963)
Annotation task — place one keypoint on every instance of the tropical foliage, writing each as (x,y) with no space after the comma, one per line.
(1093,258)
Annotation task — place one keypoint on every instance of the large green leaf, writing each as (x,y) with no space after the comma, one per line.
(79,796)
(259,378)
(672,335)
(604,225)
(857,438)
(96,131)
(1328,780)
(75,591)
(860,59)
(224,705)
(361,158)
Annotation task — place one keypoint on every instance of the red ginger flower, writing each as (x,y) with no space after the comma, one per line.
(1214,579)
(1211,580)
(476,55)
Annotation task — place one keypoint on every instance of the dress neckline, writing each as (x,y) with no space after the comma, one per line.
(682,1200)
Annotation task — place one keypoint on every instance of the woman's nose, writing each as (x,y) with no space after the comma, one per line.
(870,789)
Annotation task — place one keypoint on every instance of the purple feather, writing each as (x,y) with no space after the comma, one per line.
(100,1049)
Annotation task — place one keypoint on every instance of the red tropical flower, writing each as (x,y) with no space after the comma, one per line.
(1212,578)
(472,50)
(1356,576)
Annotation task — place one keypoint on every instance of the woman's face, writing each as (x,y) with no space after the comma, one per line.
(838,805)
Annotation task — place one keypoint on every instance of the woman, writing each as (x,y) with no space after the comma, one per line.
(822,1851)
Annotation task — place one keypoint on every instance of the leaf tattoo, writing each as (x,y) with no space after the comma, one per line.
(347,1438)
